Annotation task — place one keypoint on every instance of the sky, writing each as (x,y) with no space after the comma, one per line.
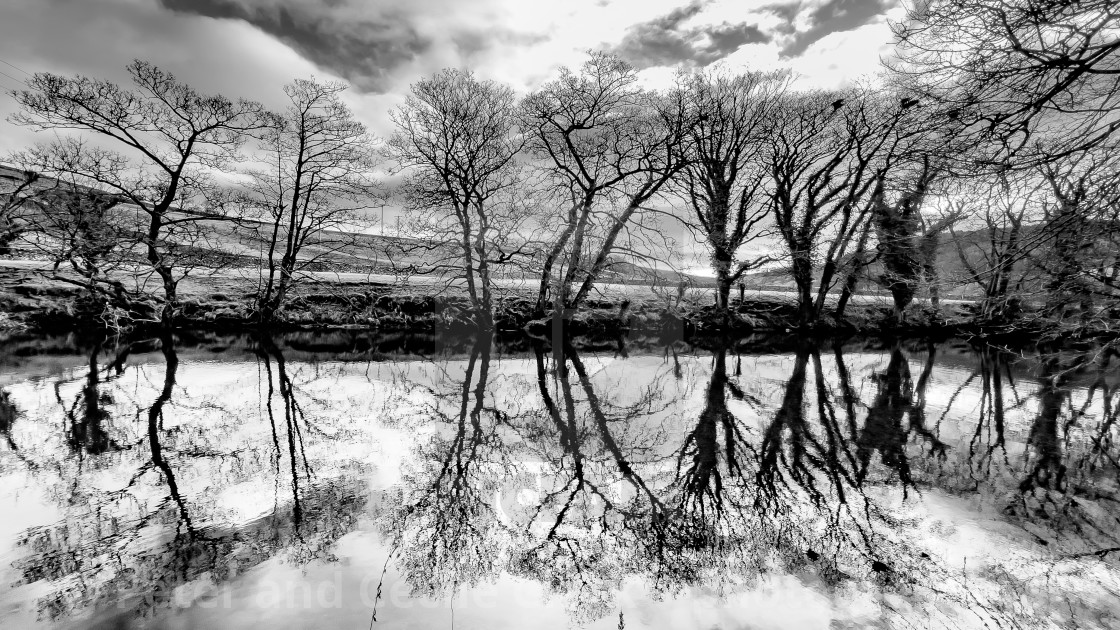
(251,48)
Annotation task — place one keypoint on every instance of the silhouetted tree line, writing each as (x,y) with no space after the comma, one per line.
(993,127)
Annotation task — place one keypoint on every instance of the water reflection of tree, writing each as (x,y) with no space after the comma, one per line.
(451,522)
(896,400)
(987,446)
(131,548)
(718,434)
(720,508)
(815,473)
(88,413)
(1067,492)
(293,416)
(1048,457)
(635,489)
(8,413)
(1057,479)
(527,474)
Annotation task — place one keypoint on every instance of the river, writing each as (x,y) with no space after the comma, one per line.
(352,481)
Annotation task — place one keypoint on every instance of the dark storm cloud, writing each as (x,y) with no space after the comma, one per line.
(665,41)
(834,16)
(364,51)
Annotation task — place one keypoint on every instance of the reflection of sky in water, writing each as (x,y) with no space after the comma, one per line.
(289,487)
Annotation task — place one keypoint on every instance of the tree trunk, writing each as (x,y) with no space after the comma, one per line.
(168,313)
(723,298)
(803,276)
(265,300)
(163,270)
(279,292)
(846,294)
(721,261)
(485,318)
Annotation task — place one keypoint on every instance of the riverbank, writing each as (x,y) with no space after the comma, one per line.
(31,300)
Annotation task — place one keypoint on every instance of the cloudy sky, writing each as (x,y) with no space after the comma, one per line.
(250,48)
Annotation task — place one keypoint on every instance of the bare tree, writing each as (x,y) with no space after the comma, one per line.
(827,154)
(80,228)
(17,186)
(726,119)
(1037,78)
(995,253)
(173,135)
(933,229)
(1033,86)
(316,162)
(606,148)
(1081,236)
(907,240)
(457,141)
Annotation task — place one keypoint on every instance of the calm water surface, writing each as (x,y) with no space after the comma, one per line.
(353,482)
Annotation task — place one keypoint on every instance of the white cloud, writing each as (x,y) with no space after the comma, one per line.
(840,58)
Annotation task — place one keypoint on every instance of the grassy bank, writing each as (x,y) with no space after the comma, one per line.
(31,300)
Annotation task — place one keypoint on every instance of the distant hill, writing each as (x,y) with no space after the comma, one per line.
(954,279)
(243,243)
